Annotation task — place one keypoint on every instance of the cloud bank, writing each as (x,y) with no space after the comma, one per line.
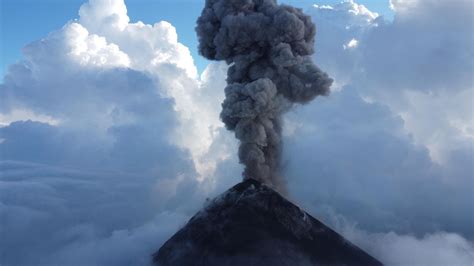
(94,148)
(110,141)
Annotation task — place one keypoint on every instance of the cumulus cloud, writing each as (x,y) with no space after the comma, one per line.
(431,249)
(421,60)
(438,248)
(340,27)
(101,46)
(415,46)
(104,14)
(362,164)
(70,217)
(92,169)
(391,149)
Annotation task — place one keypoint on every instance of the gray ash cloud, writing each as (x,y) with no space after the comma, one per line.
(268,48)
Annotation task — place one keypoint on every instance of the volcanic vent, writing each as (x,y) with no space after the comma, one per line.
(250,225)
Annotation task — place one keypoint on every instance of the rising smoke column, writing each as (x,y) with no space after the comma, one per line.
(268,48)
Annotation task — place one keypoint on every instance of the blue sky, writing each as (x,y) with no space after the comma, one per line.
(18,16)
(110,141)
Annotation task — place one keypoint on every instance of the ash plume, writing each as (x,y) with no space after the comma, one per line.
(268,48)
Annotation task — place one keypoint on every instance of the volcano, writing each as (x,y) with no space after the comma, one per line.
(251,224)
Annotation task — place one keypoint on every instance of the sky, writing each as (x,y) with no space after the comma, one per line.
(110,138)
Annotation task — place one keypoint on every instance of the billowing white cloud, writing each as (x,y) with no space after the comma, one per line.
(92,170)
(421,66)
(356,157)
(62,216)
(104,15)
(415,46)
(155,50)
(150,47)
(102,39)
(24,114)
(431,249)
(439,248)
(339,29)
(91,49)
(391,149)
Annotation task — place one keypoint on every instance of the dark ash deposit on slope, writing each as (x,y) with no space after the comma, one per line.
(251,224)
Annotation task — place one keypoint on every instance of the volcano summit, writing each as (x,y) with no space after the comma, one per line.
(251,224)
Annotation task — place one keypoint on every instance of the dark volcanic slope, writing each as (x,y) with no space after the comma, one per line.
(251,224)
